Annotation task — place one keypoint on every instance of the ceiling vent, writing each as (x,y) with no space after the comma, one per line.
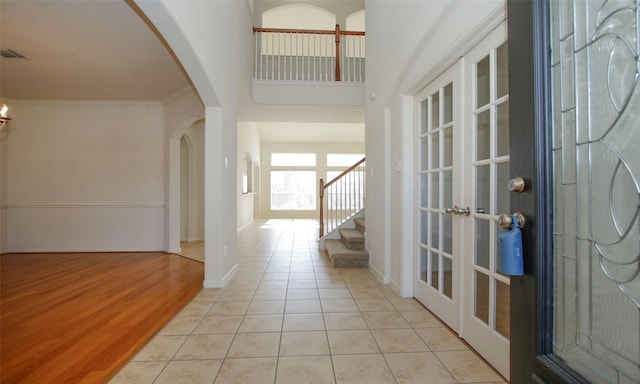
(10,53)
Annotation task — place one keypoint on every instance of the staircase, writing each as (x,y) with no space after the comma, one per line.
(348,251)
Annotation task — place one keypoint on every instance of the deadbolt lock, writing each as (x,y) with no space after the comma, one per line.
(516,184)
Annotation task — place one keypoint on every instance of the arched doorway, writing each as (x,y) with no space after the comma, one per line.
(192,192)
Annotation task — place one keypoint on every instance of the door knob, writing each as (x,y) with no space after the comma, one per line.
(455,210)
(516,184)
(505,220)
(463,211)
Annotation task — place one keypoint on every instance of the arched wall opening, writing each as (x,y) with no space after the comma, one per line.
(192,184)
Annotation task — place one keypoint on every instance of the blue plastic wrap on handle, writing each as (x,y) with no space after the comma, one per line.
(510,250)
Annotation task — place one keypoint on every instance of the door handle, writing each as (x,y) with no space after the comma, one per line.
(455,210)
(463,211)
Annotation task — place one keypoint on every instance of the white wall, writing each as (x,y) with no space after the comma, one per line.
(248,141)
(213,41)
(406,40)
(341,8)
(84,176)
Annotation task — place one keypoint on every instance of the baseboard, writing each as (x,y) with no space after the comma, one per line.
(221,283)
(245,226)
(377,273)
(84,250)
(177,251)
(396,287)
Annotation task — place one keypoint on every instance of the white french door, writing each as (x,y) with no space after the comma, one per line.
(462,173)
(486,172)
(437,261)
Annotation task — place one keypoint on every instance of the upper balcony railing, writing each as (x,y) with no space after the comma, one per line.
(309,55)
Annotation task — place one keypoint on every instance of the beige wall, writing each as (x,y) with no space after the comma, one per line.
(84,176)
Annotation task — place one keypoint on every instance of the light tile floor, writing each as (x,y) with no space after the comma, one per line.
(289,317)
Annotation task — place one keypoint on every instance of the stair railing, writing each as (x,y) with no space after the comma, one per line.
(345,197)
(309,55)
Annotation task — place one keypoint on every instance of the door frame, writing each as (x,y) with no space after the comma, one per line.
(532,358)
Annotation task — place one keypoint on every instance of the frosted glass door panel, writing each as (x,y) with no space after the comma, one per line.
(596,165)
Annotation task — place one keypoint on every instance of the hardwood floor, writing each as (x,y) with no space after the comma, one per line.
(78,318)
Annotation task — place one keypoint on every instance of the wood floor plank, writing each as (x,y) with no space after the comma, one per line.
(79,317)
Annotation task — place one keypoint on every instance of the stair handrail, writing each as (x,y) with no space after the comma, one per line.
(354,197)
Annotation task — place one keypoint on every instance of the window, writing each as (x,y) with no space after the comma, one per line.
(293,190)
(293,181)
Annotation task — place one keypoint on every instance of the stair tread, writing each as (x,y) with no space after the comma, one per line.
(351,235)
(336,248)
(342,257)
(360,221)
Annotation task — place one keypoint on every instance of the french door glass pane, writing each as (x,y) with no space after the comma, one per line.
(483,135)
(435,270)
(503,129)
(502,192)
(447,233)
(424,151)
(435,150)
(447,268)
(424,227)
(424,265)
(483,189)
(448,104)
(503,302)
(424,117)
(482,296)
(448,147)
(435,110)
(502,69)
(482,243)
(435,230)
(435,190)
(447,189)
(482,82)
(424,184)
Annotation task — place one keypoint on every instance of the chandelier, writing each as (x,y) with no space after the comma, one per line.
(4,119)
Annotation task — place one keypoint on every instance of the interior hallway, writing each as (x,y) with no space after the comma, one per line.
(289,317)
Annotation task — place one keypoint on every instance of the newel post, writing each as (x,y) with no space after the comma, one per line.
(337,52)
(321,208)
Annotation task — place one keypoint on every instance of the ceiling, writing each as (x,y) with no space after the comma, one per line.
(104,50)
(83,50)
